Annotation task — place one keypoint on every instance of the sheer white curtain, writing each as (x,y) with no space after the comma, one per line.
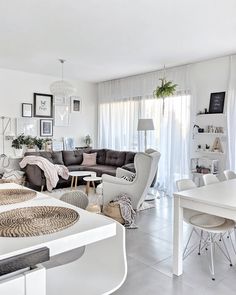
(119,112)
(231,115)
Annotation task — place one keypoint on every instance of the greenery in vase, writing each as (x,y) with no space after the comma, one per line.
(18,142)
(166,89)
(29,141)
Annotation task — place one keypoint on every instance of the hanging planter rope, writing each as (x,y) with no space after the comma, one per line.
(167,88)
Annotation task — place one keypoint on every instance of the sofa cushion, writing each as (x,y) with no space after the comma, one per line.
(101,155)
(89,159)
(129,158)
(72,157)
(53,157)
(99,169)
(129,167)
(103,169)
(76,168)
(57,158)
(115,158)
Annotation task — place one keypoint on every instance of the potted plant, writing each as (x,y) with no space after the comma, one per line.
(30,143)
(167,88)
(17,145)
(39,142)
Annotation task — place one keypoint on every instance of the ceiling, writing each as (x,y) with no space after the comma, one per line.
(107,39)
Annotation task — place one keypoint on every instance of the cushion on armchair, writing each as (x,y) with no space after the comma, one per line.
(129,178)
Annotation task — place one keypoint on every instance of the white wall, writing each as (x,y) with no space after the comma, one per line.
(18,87)
(209,76)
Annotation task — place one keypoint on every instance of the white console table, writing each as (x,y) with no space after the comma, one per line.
(101,270)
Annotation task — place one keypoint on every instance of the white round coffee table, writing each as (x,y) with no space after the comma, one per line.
(91,179)
(76,174)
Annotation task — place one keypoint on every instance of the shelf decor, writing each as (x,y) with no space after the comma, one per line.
(217,102)
(217,146)
(167,88)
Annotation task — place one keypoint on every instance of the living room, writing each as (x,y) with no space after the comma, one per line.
(119,102)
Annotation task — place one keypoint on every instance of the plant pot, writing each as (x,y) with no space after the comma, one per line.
(30,150)
(18,152)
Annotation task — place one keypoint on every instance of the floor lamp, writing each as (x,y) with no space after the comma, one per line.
(145,125)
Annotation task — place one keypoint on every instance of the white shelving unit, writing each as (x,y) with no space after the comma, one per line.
(207,138)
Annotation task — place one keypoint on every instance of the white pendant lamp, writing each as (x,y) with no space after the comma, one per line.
(62,88)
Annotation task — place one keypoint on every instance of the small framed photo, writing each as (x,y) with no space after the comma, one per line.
(43,104)
(69,143)
(57,145)
(75,104)
(46,128)
(217,102)
(26,110)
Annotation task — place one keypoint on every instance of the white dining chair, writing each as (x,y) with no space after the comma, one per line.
(229,174)
(209,179)
(213,226)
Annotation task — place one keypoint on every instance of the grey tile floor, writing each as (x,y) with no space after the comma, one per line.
(149,254)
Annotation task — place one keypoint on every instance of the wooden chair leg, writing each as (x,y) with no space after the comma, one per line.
(72,181)
(87,187)
(76,180)
(42,187)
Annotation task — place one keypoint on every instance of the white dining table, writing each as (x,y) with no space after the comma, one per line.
(102,236)
(218,199)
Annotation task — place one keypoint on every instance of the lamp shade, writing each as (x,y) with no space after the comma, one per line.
(145,124)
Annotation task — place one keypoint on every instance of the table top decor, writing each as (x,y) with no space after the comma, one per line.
(13,196)
(36,220)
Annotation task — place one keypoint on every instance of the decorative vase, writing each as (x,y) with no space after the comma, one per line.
(18,152)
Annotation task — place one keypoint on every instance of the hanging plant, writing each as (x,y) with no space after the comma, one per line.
(166,89)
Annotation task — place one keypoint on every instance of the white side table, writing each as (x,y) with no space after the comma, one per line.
(76,174)
(91,179)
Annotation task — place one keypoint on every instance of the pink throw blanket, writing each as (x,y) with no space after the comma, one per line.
(50,170)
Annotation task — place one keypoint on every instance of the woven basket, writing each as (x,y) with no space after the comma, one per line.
(112,210)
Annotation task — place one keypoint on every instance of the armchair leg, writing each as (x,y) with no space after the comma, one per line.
(42,187)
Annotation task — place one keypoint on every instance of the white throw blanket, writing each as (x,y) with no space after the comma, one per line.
(126,210)
(50,170)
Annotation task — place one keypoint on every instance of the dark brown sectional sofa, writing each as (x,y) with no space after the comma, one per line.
(107,162)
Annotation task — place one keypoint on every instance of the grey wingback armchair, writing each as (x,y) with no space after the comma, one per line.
(145,167)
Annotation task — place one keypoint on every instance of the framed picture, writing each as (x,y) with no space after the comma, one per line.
(217,102)
(28,126)
(26,110)
(57,145)
(69,143)
(46,128)
(43,105)
(58,100)
(75,104)
(61,115)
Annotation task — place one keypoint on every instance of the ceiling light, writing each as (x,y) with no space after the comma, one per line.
(62,88)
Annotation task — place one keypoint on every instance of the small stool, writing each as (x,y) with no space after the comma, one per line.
(76,198)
